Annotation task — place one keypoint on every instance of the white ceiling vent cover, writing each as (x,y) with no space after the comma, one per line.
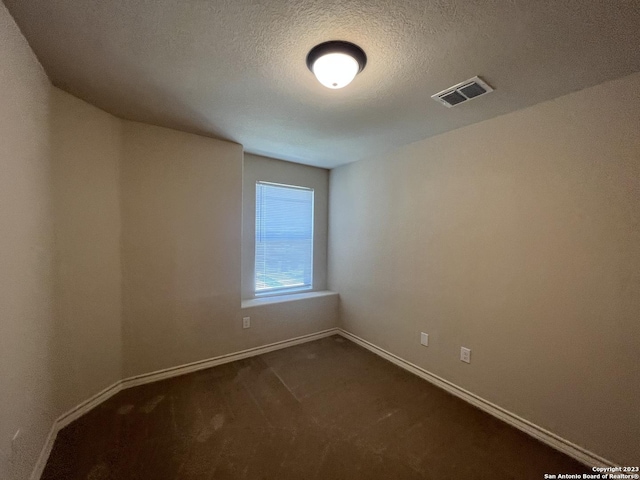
(462,92)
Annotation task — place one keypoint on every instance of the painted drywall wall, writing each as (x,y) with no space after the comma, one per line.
(86,147)
(27,400)
(519,238)
(181,200)
(275,322)
(257,168)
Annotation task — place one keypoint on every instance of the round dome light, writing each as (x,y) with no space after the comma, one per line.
(335,64)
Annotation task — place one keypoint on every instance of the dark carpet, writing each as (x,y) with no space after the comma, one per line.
(322,410)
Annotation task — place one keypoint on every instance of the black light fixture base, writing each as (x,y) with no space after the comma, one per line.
(337,46)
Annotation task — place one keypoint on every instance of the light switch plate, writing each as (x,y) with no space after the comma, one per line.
(424,339)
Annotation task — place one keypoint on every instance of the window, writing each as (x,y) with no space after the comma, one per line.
(284,238)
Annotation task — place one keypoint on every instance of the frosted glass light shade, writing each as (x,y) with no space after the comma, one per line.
(335,70)
(336,63)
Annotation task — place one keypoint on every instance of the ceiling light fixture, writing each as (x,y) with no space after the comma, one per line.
(335,64)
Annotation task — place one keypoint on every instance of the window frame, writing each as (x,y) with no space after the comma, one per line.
(284,290)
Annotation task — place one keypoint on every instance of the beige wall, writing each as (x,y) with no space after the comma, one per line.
(181,211)
(26,255)
(60,305)
(282,320)
(257,168)
(86,144)
(519,238)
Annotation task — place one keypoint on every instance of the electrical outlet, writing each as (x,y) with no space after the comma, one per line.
(424,339)
(246,322)
(465,355)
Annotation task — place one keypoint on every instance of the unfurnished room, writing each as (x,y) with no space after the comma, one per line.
(319,239)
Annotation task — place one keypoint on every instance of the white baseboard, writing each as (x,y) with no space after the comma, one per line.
(89,404)
(555,441)
(36,473)
(231,357)
(92,402)
(65,419)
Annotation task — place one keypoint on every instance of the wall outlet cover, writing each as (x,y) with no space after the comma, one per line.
(246,322)
(465,355)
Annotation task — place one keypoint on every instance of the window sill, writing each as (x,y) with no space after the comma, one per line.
(258,302)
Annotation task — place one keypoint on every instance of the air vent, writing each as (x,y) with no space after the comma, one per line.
(462,92)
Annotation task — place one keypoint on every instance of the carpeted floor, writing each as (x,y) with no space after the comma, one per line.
(322,410)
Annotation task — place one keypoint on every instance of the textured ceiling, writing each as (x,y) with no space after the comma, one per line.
(235,69)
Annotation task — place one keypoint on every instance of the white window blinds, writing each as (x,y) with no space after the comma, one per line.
(284,238)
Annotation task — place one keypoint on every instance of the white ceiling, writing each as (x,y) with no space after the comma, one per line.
(235,69)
